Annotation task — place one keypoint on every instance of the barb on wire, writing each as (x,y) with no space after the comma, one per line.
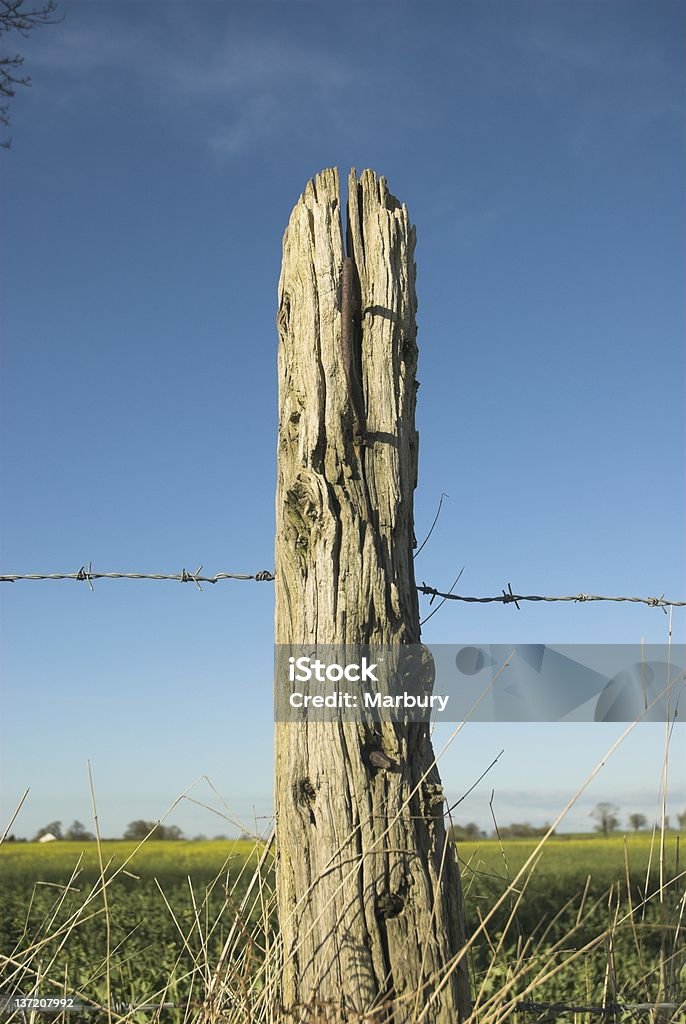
(191,577)
(86,574)
(445,597)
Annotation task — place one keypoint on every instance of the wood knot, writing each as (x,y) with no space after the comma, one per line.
(307,790)
(283,319)
(304,795)
(388,905)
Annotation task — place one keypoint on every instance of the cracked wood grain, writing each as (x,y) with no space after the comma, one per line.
(370,903)
(349,323)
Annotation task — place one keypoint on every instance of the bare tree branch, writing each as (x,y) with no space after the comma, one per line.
(15,16)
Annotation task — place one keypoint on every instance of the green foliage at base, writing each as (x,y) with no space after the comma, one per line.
(170,911)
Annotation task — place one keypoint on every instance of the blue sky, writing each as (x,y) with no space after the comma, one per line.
(155,161)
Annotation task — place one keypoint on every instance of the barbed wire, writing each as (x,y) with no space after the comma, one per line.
(86,574)
(507,597)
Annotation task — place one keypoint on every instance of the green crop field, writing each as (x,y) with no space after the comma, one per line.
(54,862)
(158,929)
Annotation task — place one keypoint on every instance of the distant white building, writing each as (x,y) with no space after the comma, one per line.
(47,837)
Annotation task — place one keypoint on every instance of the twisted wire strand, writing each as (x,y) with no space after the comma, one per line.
(507,597)
(87,574)
(182,577)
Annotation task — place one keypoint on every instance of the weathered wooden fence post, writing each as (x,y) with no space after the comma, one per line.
(370,903)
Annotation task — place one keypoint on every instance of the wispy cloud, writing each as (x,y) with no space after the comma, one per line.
(258,117)
(232,66)
(234,83)
(539,806)
(582,67)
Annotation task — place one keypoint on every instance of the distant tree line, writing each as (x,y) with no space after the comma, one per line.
(605,815)
(606,822)
(138,829)
(517,830)
(75,833)
(134,830)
